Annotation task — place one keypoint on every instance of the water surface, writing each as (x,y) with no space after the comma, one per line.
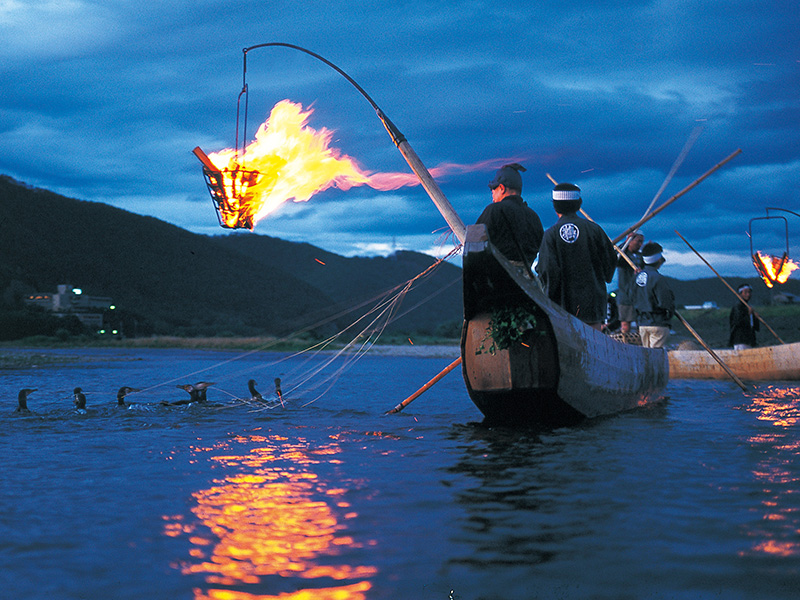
(327,497)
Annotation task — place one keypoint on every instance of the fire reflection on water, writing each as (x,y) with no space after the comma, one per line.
(271,525)
(780,533)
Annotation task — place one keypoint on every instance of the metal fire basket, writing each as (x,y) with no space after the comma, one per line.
(768,278)
(227,188)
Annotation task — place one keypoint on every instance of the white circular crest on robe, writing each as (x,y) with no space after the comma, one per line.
(641,279)
(569,232)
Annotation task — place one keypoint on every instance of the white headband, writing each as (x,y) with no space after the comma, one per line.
(654,258)
(566,195)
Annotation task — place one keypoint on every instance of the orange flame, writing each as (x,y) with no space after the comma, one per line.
(773,269)
(290,161)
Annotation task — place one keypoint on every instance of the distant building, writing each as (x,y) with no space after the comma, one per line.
(703,306)
(785,298)
(68,300)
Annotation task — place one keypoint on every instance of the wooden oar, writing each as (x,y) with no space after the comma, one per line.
(424,388)
(738,295)
(692,185)
(711,352)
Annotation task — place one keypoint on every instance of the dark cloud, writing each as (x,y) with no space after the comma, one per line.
(105,102)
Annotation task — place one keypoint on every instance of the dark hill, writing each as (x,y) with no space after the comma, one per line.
(357,280)
(185,283)
(178,282)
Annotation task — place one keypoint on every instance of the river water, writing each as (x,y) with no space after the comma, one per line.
(326,497)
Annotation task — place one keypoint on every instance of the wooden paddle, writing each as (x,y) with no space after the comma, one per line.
(711,352)
(424,388)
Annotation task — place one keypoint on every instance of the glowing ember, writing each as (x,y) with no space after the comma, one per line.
(290,161)
(773,269)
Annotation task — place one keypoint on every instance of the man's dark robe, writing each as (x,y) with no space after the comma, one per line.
(576,260)
(514,228)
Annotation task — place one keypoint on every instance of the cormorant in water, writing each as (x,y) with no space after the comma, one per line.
(23,399)
(254,393)
(79,399)
(124,391)
(197,392)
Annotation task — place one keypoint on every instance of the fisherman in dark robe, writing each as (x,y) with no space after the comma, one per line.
(576,259)
(743,322)
(653,299)
(514,228)
(625,277)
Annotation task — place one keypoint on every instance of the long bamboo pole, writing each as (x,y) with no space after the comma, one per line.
(685,323)
(425,387)
(738,295)
(689,187)
(713,354)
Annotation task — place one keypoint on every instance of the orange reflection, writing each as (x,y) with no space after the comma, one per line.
(271,518)
(780,407)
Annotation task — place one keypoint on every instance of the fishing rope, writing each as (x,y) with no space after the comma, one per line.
(383,312)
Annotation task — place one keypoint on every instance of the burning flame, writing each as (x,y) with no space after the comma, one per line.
(290,161)
(773,269)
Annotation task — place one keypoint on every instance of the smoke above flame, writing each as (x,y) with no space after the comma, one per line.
(289,161)
(773,269)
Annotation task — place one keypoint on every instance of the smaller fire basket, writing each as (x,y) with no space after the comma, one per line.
(228,189)
(771,268)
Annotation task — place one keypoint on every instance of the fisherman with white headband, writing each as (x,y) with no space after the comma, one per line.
(576,259)
(743,322)
(653,299)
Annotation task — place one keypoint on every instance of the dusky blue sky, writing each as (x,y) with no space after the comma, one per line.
(104,101)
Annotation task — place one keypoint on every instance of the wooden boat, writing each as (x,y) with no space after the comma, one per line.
(769,363)
(562,370)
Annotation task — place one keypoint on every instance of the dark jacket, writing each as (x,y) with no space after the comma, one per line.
(625,276)
(653,300)
(743,326)
(576,261)
(514,228)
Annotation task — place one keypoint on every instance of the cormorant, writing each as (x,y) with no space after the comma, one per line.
(23,399)
(124,391)
(197,392)
(254,393)
(79,399)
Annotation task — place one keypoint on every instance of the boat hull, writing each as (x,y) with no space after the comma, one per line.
(769,363)
(562,370)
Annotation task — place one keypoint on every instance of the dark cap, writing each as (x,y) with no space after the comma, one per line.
(509,176)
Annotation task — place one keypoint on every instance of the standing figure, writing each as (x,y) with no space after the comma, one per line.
(743,322)
(625,277)
(514,228)
(653,299)
(576,259)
